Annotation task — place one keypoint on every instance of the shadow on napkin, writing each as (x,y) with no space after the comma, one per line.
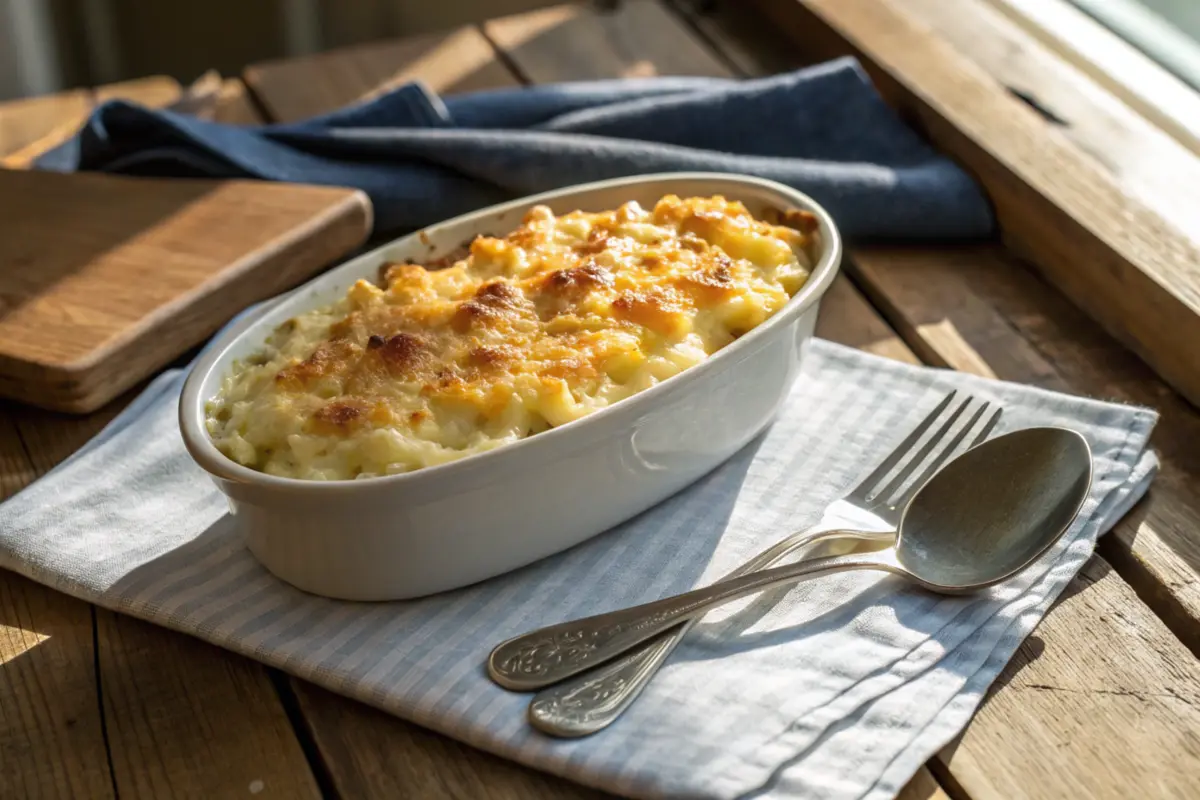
(170,589)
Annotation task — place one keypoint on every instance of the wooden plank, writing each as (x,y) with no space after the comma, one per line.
(571,43)
(976,309)
(51,731)
(458,61)
(58,117)
(598,44)
(49,437)
(155,91)
(187,718)
(923,786)
(371,754)
(1144,160)
(748,46)
(1119,66)
(234,105)
(137,277)
(52,741)
(16,471)
(179,716)
(29,128)
(1125,717)
(23,122)
(847,318)
(1113,256)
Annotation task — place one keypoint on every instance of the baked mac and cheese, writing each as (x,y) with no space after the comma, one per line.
(563,316)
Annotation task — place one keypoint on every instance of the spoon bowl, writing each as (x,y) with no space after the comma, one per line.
(982,518)
(962,534)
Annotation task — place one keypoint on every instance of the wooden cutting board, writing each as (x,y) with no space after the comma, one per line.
(104,280)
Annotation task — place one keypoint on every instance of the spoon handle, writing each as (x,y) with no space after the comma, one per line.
(549,654)
(587,703)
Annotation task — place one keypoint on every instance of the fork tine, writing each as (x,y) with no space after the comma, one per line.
(880,472)
(987,429)
(945,455)
(934,440)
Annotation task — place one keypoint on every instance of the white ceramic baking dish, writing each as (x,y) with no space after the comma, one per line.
(447,526)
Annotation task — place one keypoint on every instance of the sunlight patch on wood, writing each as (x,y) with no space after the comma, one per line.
(517,30)
(15,642)
(954,347)
(460,55)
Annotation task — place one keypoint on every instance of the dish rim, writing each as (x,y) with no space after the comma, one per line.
(205,453)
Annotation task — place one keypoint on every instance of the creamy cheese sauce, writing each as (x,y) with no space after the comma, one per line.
(565,315)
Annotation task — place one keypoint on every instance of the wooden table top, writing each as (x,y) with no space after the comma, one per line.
(1102,700)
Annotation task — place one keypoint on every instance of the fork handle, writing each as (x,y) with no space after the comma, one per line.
(590,702)
(550,654)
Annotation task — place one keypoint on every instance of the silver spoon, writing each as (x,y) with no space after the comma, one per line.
(981,519)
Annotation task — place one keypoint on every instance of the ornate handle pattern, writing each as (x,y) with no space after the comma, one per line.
(546,656)
(591,702)
(556,652)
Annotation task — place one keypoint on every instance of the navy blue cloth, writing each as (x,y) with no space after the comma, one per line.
(422,158)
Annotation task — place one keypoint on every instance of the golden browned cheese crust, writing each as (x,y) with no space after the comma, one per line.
(565,315)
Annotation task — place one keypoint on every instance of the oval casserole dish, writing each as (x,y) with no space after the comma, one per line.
(447,526)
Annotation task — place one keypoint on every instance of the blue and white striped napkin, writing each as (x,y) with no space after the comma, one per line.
(840,688)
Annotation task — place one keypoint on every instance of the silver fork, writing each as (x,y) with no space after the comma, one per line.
(591,701)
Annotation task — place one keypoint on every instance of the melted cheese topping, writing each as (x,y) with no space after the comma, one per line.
(564,316)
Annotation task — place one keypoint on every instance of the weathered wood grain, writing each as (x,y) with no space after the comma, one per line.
(16,471)
(292,89)
(1146,162)
(847,318)
(598,44)
(1103,247)
(234,104)
(186,718)
(51,729)
(1114,63)
(28,128)
(23,122)
(924,786)
(171,715)
(371,754)
(42,124)
(110,277)
(155,91)
(747,46)
(1121,727)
